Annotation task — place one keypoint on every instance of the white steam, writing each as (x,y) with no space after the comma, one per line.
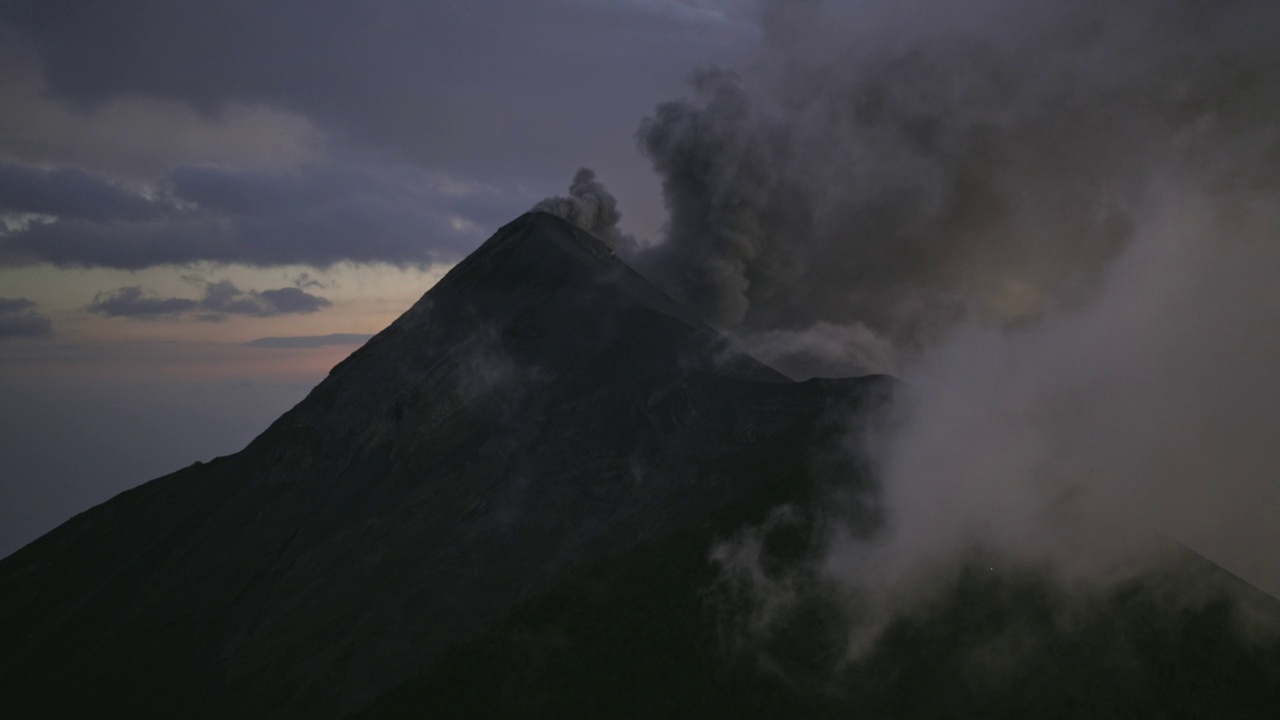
(1094,436)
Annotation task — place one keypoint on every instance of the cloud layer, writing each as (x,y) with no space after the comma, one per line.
(220,300)
(520,89)
(315,215)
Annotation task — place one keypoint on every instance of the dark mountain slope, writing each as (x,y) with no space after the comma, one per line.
(653,633)
(542,409)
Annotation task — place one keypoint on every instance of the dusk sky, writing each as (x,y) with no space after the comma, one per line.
(180,181)
(1055,221)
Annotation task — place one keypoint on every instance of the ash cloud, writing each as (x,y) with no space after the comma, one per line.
(909,169)
(19,317)
(1057,224)
(591,207)
(221,299)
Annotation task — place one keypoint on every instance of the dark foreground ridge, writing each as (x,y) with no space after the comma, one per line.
(503,505)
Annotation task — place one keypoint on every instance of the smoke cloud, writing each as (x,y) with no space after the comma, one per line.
(591,207)
(1057,225)
(1085,441)
(908,167)
(1085,446)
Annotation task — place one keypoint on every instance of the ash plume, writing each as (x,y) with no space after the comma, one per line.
(907,167)
(591,207)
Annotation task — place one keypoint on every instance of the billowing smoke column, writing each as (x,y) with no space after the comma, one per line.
(589,206)
(1056,222)
(726,199)
(905,166)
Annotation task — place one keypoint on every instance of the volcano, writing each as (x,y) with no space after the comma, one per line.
(541,408)
(504,505)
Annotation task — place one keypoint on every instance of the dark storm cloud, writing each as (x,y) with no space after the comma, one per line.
(220,300)
(506,95)
(20,318)
(258,194)
(309,341)
(125,245)
(358,212)
(477,86)
(69,192)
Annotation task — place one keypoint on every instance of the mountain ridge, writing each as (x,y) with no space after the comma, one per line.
(505,505)
(541,407)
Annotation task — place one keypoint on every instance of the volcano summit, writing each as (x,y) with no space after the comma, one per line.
(504,505)
(541,409)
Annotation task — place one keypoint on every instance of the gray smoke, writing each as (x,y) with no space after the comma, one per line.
(591,207)
(822,350)
(1085,445)
(1057,224)
(907,166)
(1086,441)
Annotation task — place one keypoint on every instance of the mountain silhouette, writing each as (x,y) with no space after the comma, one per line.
(505,505)
(542,408)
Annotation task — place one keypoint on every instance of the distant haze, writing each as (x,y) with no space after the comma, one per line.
(71,444)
